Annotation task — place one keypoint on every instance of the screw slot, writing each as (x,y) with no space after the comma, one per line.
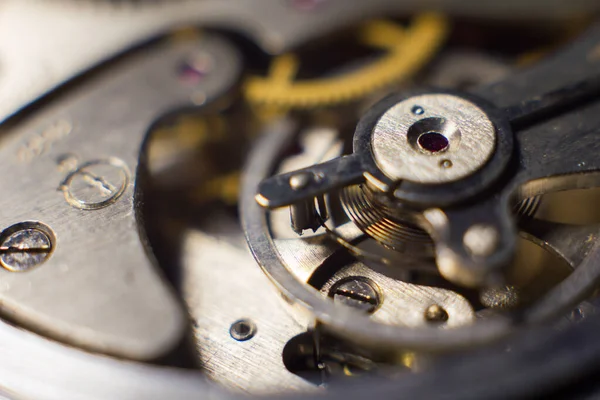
(357,292)
(96,184)
(25,245)
(242,330)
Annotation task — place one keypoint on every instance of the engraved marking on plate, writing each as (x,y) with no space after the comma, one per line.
(96,184)
(41,143)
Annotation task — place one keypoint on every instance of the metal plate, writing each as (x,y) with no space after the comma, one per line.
(73,166)
(468,133)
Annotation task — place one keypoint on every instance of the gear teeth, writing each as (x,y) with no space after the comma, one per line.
(408,51)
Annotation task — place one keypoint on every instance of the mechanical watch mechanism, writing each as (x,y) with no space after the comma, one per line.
(317,199)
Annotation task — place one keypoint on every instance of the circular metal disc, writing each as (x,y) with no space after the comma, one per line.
(433,139)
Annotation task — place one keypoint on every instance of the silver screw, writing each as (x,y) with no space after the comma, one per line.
(96,184)
(436,313)
(356,292)
(417,110)
(446,164)
(242,330)
(481,240)
(299,181)
(24,248)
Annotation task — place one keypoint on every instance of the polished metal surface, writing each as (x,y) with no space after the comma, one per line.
(85,33)
(357,292)
(465,69)
(481,240)
(39,368)
(393,229)
(96,184)
(538,136)
(570,242)
(99,289)
(434,146)
(397,139)
(450,143)
(26,245)
(242,330)
(305,255)
(224,286)
(277,191)
(318,144)
(389,300)
(407,304)
(344,321)
(91,315)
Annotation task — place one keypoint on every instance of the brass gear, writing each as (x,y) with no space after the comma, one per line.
(407,50)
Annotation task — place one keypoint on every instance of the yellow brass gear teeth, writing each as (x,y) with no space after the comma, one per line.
(408,50)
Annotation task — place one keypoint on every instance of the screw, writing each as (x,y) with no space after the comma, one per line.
(242,330)
(299,181)
(446,164)
(24,247)
(481,240)
(96,184)
(418,110)
(356,292)
(435,313)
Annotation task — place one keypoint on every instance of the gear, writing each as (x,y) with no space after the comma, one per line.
(407,51)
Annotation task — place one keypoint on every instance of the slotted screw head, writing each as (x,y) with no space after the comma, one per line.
(356,292)
(24,247)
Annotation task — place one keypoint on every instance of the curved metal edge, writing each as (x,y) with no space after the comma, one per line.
(39,368)
(442,194)
(539,363)
(574,289)
(342,321)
